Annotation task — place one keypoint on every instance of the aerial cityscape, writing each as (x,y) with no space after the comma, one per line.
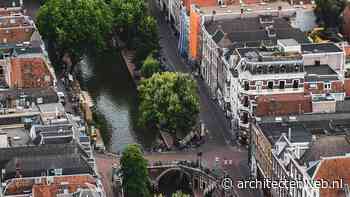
(174,98)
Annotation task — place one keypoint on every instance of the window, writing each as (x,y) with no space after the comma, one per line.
(295,83)
(246,85)
(270,85)
(313,85)
(327,86)
(283,68)
(12,21)
(282,84)
(258,86)
(317,62)
(5,40)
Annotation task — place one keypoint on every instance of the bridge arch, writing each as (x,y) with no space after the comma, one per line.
(178,169)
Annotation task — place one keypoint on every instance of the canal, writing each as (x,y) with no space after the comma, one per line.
(108,81)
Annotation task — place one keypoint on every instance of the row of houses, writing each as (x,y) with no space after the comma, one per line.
(285,94)
(44,151)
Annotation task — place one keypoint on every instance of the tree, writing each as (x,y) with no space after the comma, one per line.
(169,101)
(127,15)
(75,27)
(134,172)
(180,194)
(329,12)
(147,39)
(150,66)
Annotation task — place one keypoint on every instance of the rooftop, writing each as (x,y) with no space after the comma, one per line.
(320,48)
(248,8)
(17,137)
(58,184)
(9,3)
(320,73)
(267,55)
(251,31)
(33,161)
(305,126)
(326,146)
(334,169)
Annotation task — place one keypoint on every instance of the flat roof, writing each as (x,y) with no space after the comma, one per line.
(261,55)
(51,107)
(288,42)
(251,32)
(305,126)
(249,8)
(18,136)
(320,48)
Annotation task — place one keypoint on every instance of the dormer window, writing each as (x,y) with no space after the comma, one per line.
(259,70)
(246,85)
(271,32)
(283,68)
(296,68)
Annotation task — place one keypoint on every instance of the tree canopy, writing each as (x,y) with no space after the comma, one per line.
(75,27)
(127,13)
(169,101)
(150,66)
(134,172)
(329,12)
(180,194)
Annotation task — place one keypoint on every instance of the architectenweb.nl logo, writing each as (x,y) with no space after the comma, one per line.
(228,184)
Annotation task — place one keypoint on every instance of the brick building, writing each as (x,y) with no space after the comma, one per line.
(30,73)
(296,148)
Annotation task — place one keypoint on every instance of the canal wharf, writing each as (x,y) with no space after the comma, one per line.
(128,57)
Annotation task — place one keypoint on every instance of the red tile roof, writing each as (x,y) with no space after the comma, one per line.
(333,169)
(30,73)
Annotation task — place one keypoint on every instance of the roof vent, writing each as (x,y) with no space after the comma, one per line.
(292,118)
(278,119)
(271,32)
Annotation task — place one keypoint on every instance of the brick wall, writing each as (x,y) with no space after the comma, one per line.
(347,87)
(283,104)
(336,87)
(16,35)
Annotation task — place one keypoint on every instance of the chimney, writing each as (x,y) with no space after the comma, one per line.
(290,134)
(18,170)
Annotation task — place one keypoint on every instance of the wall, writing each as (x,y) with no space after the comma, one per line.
(194,32)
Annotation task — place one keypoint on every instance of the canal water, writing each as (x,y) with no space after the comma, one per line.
(114,93)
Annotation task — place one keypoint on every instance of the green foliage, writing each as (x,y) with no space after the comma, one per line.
(180,194)
(170,101)
(76,27)
(134,172)
(147,38)
(329,12)
(150,66)
(127,13)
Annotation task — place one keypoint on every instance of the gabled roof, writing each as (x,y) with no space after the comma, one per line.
(332,170)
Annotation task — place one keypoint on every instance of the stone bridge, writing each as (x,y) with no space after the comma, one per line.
(200,181)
